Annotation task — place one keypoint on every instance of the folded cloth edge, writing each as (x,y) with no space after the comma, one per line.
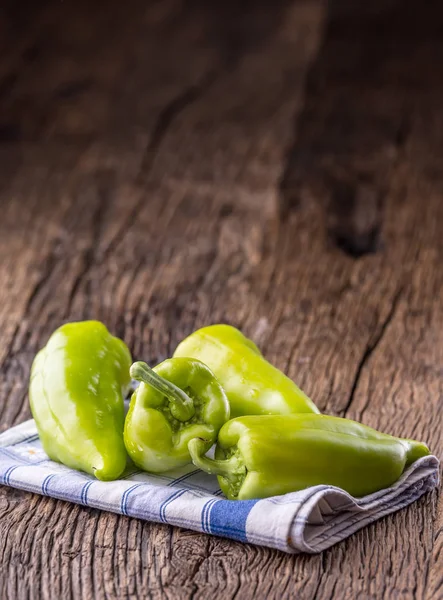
(420,478)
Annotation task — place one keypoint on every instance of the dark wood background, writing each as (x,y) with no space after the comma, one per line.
(275,165)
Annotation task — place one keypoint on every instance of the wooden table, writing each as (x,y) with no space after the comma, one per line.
(274,165)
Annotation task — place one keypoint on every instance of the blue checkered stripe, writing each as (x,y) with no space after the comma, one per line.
(186,498)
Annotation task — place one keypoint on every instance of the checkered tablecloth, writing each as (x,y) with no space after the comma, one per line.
(307,521)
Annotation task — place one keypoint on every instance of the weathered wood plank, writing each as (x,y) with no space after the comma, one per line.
(148,170)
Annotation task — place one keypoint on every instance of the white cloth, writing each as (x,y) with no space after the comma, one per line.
(307,521)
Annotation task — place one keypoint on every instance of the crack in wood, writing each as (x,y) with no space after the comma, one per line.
(355,215)
(166,117)
(370,349)
(344,150)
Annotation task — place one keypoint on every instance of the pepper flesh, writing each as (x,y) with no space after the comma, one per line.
(252,385)
(180,399)
(262,456)
(78,381)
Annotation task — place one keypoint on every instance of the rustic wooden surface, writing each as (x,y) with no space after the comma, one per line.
(277,166)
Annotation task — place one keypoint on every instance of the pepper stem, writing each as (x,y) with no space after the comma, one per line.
(230,468)
(182,406)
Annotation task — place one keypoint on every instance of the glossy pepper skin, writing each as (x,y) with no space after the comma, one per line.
(262,456)
(252,384)
(76,394)
(180,399)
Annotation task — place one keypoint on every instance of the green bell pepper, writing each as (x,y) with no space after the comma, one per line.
(180,399)
(252,384)
(261,456)
(76,391)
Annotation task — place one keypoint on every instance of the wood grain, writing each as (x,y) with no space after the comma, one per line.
(171,164)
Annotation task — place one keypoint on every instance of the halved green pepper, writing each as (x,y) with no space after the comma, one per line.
(252,384)
(76,391)
(262,456)
(180,399)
